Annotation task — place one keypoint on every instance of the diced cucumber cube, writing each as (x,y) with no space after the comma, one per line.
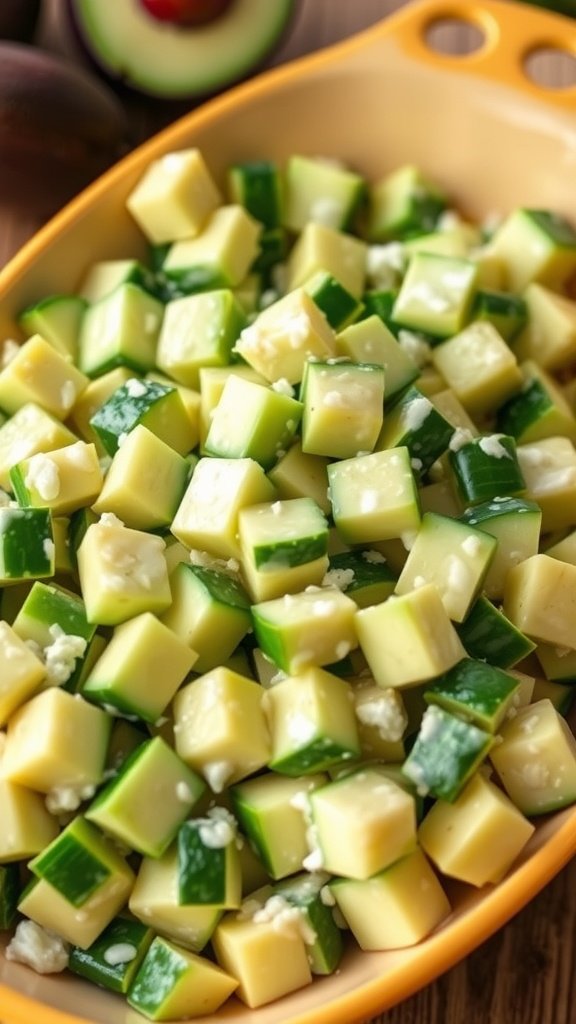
(479,367)
(549,336)
(404,204)
(370,341)
(29,430)
(308,892)
(282,534)
(446,753)
(455,836)
(198,330)
(26,544)
(436,294)
(539,410)
(362,575)
(140,669)
(319,247)
(220,727)
(382,912)
(153,773)
(27,825)
(476,692)
(106,276)
(338,305)
(312,723)
(535,245)
(208,862)
(312,628)
(508,313)
(191,985)
(210,613)
(362,823)
(257,185)
(558,664)
(454,557)
(561,696)
(487,633)
(374,497)
(273,811)
(343,408)
(549,471)
(78,863)
(515,523)
(219,257)
(300,475)
(121,329)
(536,759)
(538,599)
(416,424)
(63,480)
(322,192)
(268,424)
(486,468)
(57,319)
(113,959)
(156,406)
(38,373)
(21,671)
(174,197)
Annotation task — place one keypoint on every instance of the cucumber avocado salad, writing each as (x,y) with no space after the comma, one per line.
(288,568)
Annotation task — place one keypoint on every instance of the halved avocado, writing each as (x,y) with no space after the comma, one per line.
(175,59)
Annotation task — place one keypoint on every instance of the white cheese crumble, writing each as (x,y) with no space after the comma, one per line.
(491,445)
(65,799)
(109,519)
(218,829)
(60,656)
(120,953)
(10,348)
(415,347)
(135,388)
(217,774)
(460,437)
(183,792)
(38,948)
(386,713)
(285,919)
(374,557)
(283,387)
(341,578)
(415,414)
(42,475)
(385,264)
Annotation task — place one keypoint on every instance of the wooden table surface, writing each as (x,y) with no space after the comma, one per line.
(525,974)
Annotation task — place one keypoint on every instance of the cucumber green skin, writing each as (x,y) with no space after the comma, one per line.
(478,692)
(120,413)
(9,894)
(487,633)
(366,573)
(320,753)
(164,962)
(256,184)
(490,510)
(557,228)
(522,415)
(49,604)
(222,588)
(252,829)
(507,313)
(106,695)
(381,303)
(269,639)
(178,282)
(91,964)
(446,762)
(201,870)
(480,477)
(338,305)
(290,553)
(418,218)
(273,248)
(70,866)
(23,532)
(427,442)
(327,949)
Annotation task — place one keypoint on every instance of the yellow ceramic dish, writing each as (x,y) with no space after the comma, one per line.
(495,140)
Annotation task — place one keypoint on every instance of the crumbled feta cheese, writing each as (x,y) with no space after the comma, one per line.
(109,519)
(415,414)
(374,557)
(120,953)
(42,475)
(491,445)
(285,918)
(38,948)
(183,792)
(64,799)
(460,437)
(385,712)
(48,548)
(218,829)
(341,578)
(283,387)
(60,656)
(327,211)
(217,774)
(385,264)
(414,346)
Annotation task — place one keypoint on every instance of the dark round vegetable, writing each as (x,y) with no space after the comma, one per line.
(18,19)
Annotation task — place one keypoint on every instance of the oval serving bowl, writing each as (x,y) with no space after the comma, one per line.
(494,139)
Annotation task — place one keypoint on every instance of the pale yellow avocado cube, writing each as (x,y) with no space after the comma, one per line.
(362,823)
(56,739)
(93,396)
(266,585)
(46,906)
(382,721)
(540,599)
(145,482)
(383,913)
(220,727)
(284,336)
(421,641)
(536,760)
(323,248)
(207,517)
(549,470)
(478,837)
(479,367)
(122,572)
(154,900)
(27,826)
(268,961)
(21,672)
(549,336)
(28,431)
(223,251)
(374,497)
(38,373)
(174,197)
(63,480)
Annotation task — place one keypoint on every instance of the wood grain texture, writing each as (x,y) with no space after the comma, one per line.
(525,973)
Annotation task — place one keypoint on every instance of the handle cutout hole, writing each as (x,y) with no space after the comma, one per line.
(454,37)
(551,67)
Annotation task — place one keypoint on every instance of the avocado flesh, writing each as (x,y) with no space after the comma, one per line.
(174,62)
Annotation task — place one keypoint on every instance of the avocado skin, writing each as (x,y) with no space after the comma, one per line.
(59,128)
(18,19)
